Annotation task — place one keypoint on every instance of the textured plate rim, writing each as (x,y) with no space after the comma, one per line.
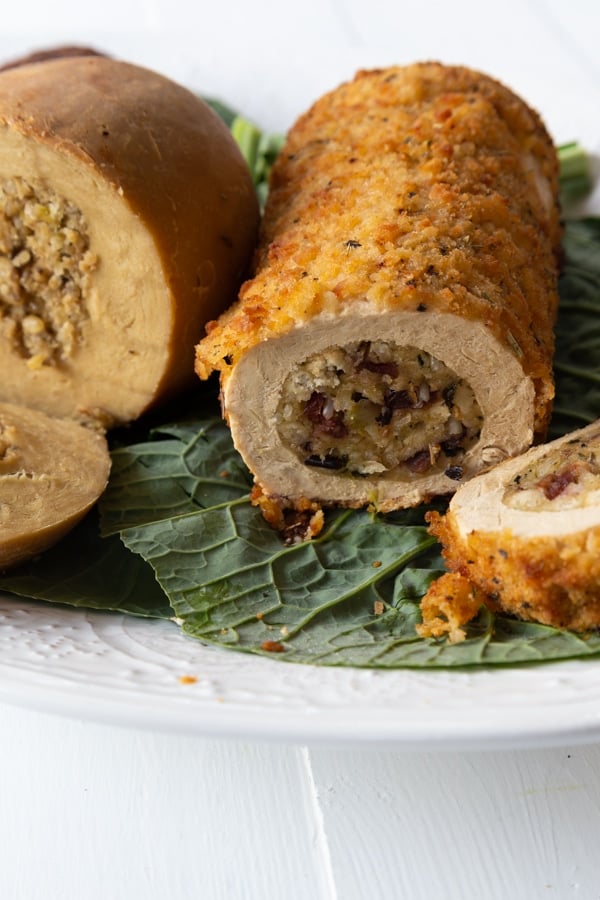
(117,670)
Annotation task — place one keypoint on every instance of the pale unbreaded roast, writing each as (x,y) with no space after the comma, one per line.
(128,220)
(51,473)
(525,538)
(61,51)
(397,335)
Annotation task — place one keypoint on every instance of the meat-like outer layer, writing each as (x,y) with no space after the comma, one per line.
(417,205)
(62,51)
(171,214)
(51,473)
(542,561)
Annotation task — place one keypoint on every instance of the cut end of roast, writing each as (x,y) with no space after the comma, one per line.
(383,410)
(52,472)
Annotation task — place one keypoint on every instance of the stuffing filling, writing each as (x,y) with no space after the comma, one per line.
(374,408)
(45,266)
(564,478)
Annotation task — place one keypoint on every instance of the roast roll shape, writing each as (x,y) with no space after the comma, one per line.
(51,473)
(128,221)
(397,334)
(524,537)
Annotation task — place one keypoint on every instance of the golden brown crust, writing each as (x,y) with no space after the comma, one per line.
(169,158)
(450,603)
(552,580)
(409,187)
(300,522)
(527,533)
(415,206)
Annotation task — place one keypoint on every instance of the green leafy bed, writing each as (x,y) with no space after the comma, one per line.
(176,537)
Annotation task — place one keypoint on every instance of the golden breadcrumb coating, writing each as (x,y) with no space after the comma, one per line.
(555,581)
(526,534)
(552,580)
(451,601)
(397,335)
(429,186)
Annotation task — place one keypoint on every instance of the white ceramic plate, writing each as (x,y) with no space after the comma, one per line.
(127,671)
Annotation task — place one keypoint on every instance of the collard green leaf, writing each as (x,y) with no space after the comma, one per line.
(182,467)
(349,598)
(232,581)
(87,571)
(223,110)
(575,173)
(577,359)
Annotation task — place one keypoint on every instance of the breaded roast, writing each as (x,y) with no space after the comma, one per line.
(397,335)
(525,538)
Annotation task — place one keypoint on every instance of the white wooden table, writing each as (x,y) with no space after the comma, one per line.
(101,813)
(94,811)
